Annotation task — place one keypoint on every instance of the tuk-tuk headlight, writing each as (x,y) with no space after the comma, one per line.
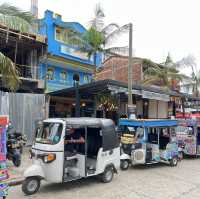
(49,158)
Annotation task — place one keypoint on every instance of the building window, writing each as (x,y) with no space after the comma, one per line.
(50,73)
(63,76)
(62,34)
(86,79)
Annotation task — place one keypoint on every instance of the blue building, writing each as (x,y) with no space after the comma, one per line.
(63,60)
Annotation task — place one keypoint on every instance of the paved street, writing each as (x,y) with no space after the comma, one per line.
(143,182)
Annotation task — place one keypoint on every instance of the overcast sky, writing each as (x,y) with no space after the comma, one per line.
(160,26)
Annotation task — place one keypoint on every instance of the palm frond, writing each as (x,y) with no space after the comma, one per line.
(9,10)
(98,21)
(148,63)
(15,23)
(95,39)
(156,71)
(115,34)
(15,18)
(109,28)
(123,51)
(198,76)
(151,80)
(9,73)
(175,76)
(99,12)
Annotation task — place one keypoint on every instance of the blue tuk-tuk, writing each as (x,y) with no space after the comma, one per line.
(148,141)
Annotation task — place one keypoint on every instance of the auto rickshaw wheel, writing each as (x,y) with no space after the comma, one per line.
(174,161)
(124,164)
(107,175)
(31,185)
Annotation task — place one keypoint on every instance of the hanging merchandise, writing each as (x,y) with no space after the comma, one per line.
(3,169)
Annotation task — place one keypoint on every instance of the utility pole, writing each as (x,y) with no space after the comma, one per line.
(77,95)
(131,108)
(130,70)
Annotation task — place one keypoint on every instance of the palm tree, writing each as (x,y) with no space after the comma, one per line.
(9,73)
(195,84)
(165,75)
(190,62)
(99,38)
(17,19)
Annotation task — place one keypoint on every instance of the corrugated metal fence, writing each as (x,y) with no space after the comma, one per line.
(24,110)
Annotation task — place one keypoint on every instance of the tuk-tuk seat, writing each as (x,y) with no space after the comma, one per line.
(163,142)
(93,145)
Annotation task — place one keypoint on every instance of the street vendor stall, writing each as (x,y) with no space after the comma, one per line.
(3,168)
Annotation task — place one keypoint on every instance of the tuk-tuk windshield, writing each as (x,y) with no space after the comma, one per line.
(49,133)
(138,132)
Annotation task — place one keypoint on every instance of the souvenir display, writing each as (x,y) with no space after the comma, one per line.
(3,168)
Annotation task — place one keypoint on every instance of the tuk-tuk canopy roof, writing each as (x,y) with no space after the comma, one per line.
(84,121)
(109,135)
(148,122)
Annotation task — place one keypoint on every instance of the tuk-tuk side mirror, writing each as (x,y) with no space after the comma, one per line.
(38,125)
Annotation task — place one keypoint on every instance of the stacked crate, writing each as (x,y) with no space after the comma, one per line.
(3,168)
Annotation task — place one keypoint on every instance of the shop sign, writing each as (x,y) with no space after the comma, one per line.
(155,96)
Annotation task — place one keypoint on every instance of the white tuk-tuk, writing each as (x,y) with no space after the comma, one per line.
(55,162)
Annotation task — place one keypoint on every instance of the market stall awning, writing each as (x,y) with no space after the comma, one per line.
(103,86)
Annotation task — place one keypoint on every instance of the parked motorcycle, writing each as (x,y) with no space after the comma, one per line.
(15,143)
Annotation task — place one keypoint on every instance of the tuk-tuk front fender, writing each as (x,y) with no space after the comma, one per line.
(34,170)
(125,157)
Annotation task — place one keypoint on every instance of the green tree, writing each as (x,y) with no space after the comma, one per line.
(168,61)
(165,75)
(100,38)
(195,83)
(190,62)
(17,19)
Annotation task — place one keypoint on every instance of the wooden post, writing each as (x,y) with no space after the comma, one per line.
(16,47)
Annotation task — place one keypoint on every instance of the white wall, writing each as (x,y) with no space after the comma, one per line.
(158,109)
(162,109)
(152,109)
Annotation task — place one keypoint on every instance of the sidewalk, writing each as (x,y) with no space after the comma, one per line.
(16,173)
